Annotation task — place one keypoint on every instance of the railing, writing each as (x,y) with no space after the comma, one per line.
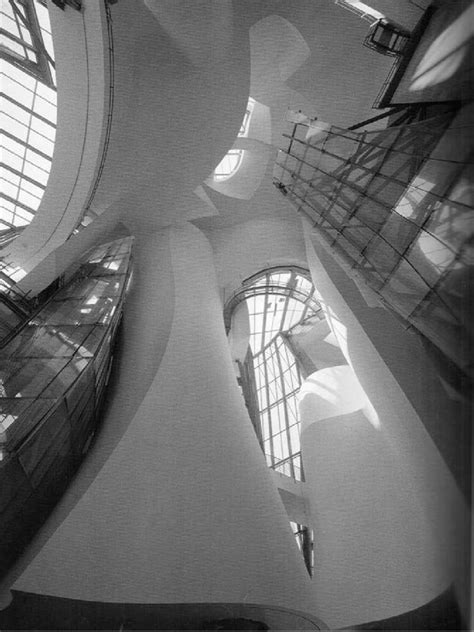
(372,199)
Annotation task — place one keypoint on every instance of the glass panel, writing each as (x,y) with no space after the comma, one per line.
(23,77)
(41,450)
(399,232)
(382,256)
(65,341)
(282,300)
(116,264)
(405,289)
(48,131)
(39,175)
(48,377)
(83,386)
(19,416)
(92,288)
(78,312)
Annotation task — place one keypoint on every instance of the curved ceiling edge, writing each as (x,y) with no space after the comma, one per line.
(81,42)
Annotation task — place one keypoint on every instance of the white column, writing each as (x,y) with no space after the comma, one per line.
(184,509)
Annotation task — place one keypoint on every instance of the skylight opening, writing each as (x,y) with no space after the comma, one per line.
(231,162)
(28,107)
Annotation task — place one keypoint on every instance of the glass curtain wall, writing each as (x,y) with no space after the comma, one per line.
(393,206)
(53,378)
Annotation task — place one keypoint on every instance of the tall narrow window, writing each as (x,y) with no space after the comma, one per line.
(277,300)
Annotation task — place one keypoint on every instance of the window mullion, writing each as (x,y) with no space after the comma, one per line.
(285,309)
(283,390)
(19,14)
(267,392)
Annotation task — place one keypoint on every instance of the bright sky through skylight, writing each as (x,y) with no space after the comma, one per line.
(28,110)
(231,161)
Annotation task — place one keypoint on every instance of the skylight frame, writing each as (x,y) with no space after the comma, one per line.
(41,68)
(29,109)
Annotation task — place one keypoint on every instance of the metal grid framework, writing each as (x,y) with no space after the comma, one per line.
(277,300)
(47,356)
(393,213)
(24,38)
(28,106)
(278,381)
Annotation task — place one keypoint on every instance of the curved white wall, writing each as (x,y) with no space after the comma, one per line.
(173,119)
(262,243)
(202,46)
(277,51)
(184,510)
(389,517)
(80,46)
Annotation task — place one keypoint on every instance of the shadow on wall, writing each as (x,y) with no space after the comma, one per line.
(441,613)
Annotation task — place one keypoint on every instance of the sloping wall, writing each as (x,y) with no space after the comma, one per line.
(184,508)
(389,514)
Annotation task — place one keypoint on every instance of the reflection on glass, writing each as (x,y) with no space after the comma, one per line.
(47,357)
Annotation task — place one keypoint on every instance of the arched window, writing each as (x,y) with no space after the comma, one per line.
(278,301)
(229,164)
(231,161)
(29,108)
